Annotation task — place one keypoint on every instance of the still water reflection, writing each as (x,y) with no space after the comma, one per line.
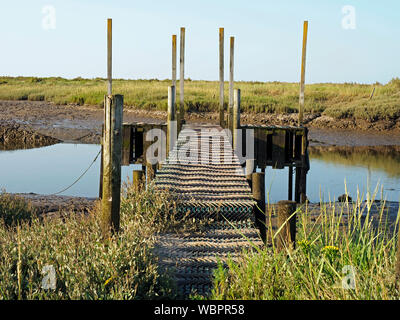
(50,169)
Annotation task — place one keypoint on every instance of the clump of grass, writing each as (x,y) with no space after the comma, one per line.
(86,266)
(14,210)
(340,254)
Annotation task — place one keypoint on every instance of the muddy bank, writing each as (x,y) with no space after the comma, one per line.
(56,206)
(14,137)
(82,124)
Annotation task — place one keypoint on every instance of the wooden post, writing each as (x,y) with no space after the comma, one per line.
(171,127)
(182,80)
(126,144)
(174,62)
(258,190)
(101,163)
(303,172)
(231,64)
(112,144)
(290,184)
(236,118)
(250,170)
(287,236)
(297,184)
(137,179)
(221,78)
(109,57)
(303,72)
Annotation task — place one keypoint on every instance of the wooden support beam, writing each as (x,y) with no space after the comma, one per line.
(258,190)
(109,57)
(250,169)
(221,78)
(231,83)
(278,149)
(174,61)
(303,175)
(261,147)
(290,183)
(182,80)
(303,73)
(236,118)
(101,163)
(112,147)
(286,239)
(126,144)
(171,120)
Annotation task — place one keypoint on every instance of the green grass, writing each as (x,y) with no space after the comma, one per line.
(348,100)
(87,267)
(316,269)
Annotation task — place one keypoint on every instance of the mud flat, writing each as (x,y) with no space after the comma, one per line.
(13,137)
(56,206)
(82,124)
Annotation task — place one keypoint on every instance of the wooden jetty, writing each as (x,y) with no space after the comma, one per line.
(202,166)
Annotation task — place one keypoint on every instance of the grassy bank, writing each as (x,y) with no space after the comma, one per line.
(337,100)
(86,266)
(337,257)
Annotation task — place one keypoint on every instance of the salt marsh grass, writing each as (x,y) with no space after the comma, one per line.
(342,252)
(347,100)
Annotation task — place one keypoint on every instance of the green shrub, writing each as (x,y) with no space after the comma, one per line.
(14,210)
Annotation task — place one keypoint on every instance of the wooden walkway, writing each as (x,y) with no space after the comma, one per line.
(209,182)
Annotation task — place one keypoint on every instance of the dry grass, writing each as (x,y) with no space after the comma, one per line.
(316,269)
(86,266)
(337,100)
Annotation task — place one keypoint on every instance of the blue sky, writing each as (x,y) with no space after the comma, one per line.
(267,39)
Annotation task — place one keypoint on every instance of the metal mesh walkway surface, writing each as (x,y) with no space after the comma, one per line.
(205,177)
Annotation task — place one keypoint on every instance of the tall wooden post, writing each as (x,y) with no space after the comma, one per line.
(290,183)
(221,78)
(303,72)
(171,119)
(236,118)
(182,80)
(303,172)
(112,146)
(231,64)
(258,190)
(109,56)
(174,61)
(101,163)
(287,220)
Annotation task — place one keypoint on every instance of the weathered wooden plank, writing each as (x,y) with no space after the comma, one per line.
(112,147)
(278,149)
(126,144)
